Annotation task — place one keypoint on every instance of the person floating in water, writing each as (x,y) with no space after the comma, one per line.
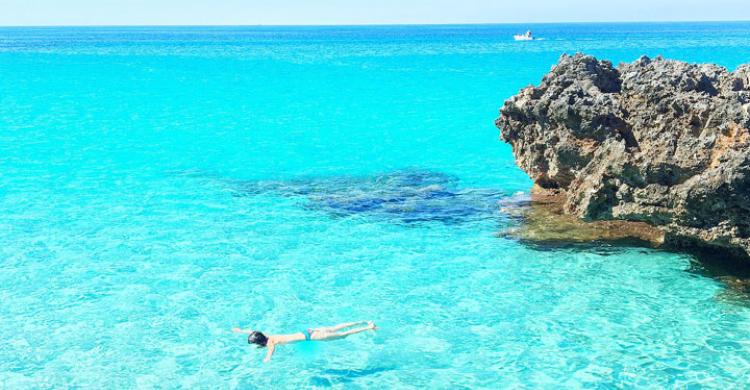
(311,334)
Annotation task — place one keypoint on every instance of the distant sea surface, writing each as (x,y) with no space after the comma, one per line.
(160,185)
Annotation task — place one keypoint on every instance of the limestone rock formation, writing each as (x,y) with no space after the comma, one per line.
(661,142)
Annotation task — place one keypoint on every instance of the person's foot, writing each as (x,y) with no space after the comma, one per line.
(371,325)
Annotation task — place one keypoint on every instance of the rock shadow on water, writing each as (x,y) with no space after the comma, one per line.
(731,272)
(407,196)
(540,223)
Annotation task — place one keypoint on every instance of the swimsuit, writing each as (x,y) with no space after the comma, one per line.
(308,334)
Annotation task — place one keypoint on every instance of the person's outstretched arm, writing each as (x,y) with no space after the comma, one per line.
(271,348)
(243,331)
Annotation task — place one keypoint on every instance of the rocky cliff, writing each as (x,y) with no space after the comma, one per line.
(660,142)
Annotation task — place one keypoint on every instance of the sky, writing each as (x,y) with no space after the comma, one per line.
(317,12)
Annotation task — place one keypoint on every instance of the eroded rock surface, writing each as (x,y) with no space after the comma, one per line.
(661,142)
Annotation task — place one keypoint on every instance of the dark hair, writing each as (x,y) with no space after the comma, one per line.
(257,338)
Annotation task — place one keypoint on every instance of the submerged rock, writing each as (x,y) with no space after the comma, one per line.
(659,142)
(407,196)
(544,222)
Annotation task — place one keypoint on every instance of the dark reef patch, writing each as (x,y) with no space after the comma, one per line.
(407,196)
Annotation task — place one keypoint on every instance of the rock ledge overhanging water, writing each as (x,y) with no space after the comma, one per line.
(660,142)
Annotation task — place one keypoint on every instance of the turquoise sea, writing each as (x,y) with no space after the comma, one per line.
(160,185)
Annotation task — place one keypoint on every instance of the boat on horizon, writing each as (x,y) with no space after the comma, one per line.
(527,36)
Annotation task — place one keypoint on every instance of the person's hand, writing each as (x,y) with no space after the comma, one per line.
(236,330)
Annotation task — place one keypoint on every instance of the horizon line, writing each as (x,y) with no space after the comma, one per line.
(377,24)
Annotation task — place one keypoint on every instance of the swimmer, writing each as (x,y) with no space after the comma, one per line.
(311,334)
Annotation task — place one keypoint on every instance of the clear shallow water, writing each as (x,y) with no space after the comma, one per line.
(161,185)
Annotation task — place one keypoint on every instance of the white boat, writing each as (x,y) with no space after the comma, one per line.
(524,37)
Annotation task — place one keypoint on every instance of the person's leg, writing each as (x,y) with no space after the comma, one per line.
(338,327)
(341,335)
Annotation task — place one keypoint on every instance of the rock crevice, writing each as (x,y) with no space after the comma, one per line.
(657,141)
